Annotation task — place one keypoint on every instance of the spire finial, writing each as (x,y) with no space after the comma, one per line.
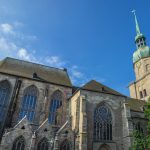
(136,22)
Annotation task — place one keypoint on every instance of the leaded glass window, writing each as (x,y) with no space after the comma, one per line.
(43,144)
(65,145)
(4,98)
(56,102)
(19,144)
(29,103)
(102,124)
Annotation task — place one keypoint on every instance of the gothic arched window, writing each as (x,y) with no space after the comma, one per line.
(65,145)
(19,144)
(4,98)
(29,103)
(139,128)
(56,102)
(102,124)
(43,144)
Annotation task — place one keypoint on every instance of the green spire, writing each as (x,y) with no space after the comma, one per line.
(136,23)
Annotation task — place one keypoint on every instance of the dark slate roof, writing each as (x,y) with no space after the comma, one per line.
(98,87)
(136,104)
(27,69)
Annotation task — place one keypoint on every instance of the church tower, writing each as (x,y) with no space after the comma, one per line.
(140,88)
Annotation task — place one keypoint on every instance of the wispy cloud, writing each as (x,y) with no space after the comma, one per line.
(6,28)
(7,47)
(55,61)
(9,39)
(25,55)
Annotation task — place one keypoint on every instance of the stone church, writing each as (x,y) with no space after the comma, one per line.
(40,109)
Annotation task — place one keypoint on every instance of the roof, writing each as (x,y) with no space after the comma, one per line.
(136,104)
(98,87)
(27,69)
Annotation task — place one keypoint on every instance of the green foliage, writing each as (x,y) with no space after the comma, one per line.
(147,115)
(139,141)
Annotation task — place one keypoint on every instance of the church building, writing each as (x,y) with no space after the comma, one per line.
(40,109)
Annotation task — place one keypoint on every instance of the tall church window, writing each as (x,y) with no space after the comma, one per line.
(141,94)
(19,144)
(43,144)
(56,102)
(4,99)
(145,93)
(65,145)
(29,103)
(102,124)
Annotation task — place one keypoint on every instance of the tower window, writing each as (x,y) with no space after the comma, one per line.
(145,93)
(141,94)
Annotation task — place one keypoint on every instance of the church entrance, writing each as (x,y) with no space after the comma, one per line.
(104,147)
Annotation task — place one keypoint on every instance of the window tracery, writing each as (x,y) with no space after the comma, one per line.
(102,124)
(29,103)
(65,145)
(19,144)
(43,144)
(138,127)
(56,103)
(4,98)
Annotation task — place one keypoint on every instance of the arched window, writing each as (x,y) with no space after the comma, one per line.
(65,145)
(56,102)
(138,128)
(29,103)
(102,124)
(19,144)
(4,98)
(43,144)
(104,147)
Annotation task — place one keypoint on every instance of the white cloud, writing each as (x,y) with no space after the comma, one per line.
(7,46)
(75,72)
(55,61)
(12,43)
(25,55)
(6,28)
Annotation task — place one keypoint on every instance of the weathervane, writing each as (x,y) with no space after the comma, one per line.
(133,11)
(136,22)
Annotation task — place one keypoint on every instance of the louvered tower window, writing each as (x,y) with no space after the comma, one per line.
(43,144)
(102,124)
(29,103)
(19,144)
(56,102)
(4,99)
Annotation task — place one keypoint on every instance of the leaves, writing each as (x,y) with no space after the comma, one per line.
(141,142)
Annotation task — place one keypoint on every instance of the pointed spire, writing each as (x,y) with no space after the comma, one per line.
(136,22)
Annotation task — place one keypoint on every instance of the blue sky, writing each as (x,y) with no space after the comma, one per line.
(94,39)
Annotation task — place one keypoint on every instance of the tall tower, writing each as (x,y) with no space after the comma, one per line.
(140,88)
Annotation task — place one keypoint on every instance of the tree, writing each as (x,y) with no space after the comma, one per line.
(147,115)
(141,142)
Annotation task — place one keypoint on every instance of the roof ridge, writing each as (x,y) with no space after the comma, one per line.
(30,62)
